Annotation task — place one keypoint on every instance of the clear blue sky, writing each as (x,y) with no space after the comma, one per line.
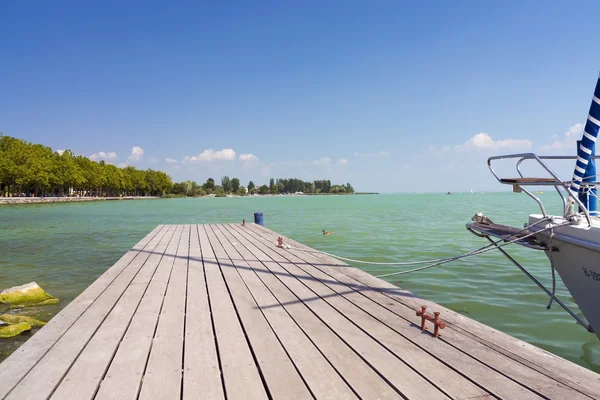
(376,93)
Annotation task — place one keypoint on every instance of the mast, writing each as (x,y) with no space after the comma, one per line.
(585,169)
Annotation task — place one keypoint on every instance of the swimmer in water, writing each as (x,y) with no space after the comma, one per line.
(327,233)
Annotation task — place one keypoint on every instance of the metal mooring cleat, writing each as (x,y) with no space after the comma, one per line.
(437,322)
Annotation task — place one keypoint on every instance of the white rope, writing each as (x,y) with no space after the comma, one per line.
(439,260)
(485,249)
(473,253)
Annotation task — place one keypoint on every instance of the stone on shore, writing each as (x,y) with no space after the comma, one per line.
(8,331)
(17,319)
(27,295)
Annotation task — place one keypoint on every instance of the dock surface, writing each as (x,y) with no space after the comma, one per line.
(220,312)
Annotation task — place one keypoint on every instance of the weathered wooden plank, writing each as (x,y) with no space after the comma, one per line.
(163,376)
(83,379)
(502,357)
(349,350)
(484,344)
(25,358)
(278,371)
(398,360)
(321,285)
(124,376)
(41,381)
(464,362)
(322,379)
(286,322)
(201,372)
(240,373)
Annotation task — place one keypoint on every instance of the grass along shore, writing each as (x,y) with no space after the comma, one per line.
(67,199)
(38,200)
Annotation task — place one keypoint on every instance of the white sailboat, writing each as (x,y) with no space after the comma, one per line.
(572,240)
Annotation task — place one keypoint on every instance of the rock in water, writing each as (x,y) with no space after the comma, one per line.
(17,319)
(13,330)
(26,296)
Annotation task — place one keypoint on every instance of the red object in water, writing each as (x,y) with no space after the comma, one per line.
(437,322)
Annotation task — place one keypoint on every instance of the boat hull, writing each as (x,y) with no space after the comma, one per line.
(578,264)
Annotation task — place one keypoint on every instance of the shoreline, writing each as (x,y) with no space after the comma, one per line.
(41,200)
(49,200)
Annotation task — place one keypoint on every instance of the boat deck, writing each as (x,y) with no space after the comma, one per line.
(218,311)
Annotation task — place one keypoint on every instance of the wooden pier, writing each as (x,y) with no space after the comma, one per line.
(218,311)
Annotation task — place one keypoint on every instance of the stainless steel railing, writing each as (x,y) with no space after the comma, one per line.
(553,180)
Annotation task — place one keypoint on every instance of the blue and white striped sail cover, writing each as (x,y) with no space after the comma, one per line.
(590,133)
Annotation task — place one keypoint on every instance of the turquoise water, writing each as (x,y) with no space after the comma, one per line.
(65,247)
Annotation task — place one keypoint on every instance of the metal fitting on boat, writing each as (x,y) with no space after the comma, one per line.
(437,322)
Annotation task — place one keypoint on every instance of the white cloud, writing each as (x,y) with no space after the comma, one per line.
(122,165)
(250,160)
(379,154)
(575,131)
(484,141)
(136,153)
(60,152)
(152,160)
(248,157)
(343,161)
(103,156)
(171,160)
(569,140)
(322,161)
(210,155)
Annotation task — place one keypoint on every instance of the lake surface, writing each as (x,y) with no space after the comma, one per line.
(65,247)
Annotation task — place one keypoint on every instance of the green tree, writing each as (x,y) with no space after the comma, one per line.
(219,191)
(66,173)
(272,185)
(264,189)
(197,190)
(226,183)
(235,185)
(241,191)
(210,184)
(251,187)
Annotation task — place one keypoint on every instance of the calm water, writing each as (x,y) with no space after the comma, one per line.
(65,247)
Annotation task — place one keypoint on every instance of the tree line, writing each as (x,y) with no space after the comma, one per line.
(36,170)
(276,186)
(33,169)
